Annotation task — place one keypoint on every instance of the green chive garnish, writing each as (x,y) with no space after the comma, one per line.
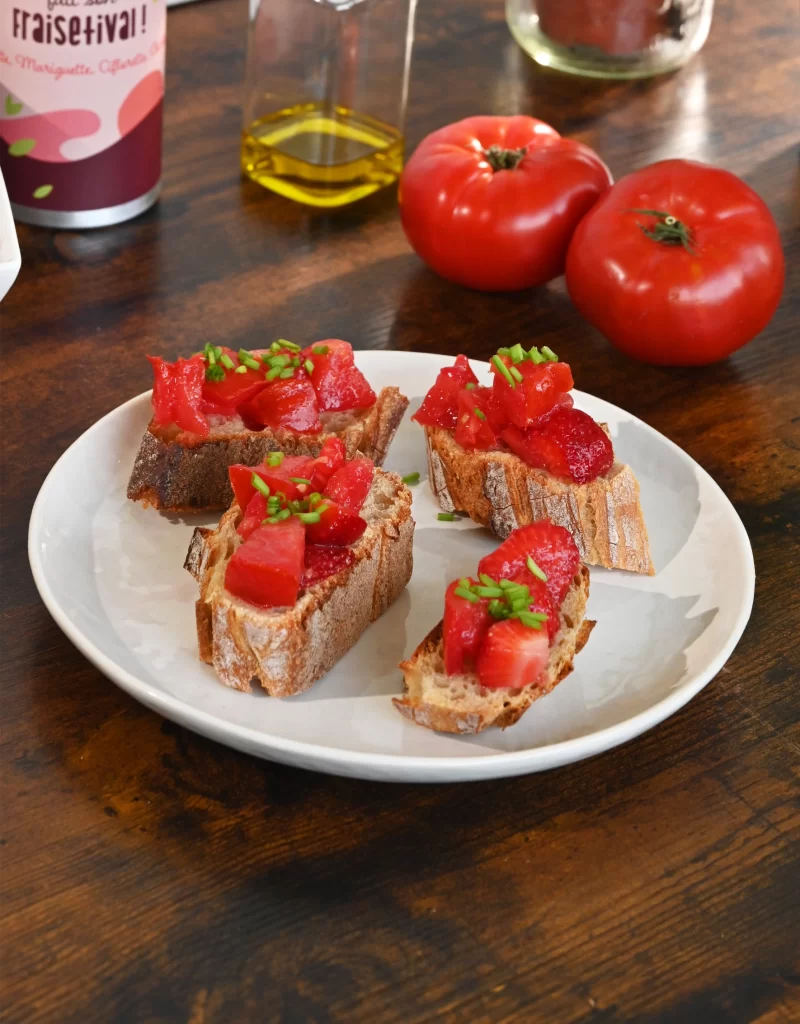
(281,360)
(479,414)
(276,346)
(240,369)
(309,367)
(507,584)
(247,360)
(534,568)
(467,595)
(498,609)
(531,620)
(276,371)
(515,374)
(308,517)
(502,368)
(470,386)
(215,373)
(488,591)
(504,351)
(211,355)
(322,508)
(299,480)
(283,343)
(226,361)
(517,353)
(487,581)
(548,353)
(465,582)
(446,517)
(279,516)
(274,458)
(411,479)
(535,356)
(259,485)
(320,350)
(287,373)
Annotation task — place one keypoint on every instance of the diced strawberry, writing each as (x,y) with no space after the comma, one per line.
(473,430)
(440,406)
(330,458)
(337,527)
(512,655)
(322,562)
(223,397)
(537,449)
(337,381)
(585,446)
(255,514)
(552,549)
(465,623)
(351,483)
(267,569)
(290,404)
(541,601)
(177,394)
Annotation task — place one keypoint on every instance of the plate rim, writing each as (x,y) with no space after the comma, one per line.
(408,767)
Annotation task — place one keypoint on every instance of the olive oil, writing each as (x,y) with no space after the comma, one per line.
(322,157)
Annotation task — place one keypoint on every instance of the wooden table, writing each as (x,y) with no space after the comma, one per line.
(151,876)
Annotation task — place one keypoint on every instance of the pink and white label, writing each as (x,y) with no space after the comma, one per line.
(81,92)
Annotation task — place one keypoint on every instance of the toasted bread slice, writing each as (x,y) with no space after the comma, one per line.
(286,650)
(190,474)
(497,489)
(460,704)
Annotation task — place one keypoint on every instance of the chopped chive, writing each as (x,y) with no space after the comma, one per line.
(535,356)
(534,568)
(479,414)
(287,373)
(211,355)
(515,374)
(226,361)
(274,458)
(322,508)
(487,581)
(279,516)
(549,354)
(299,480)
(283,343)
(296,362)
(507,584)
(530,620)
(504,351)
(488,591)
(247,360)
(465,582)
(320,350)
(517,353)
(309,367)
(502,368)
(498,609)
(240,369)
(276,346)
(446,517)
(470,386)
(411,479)
(215,372)
(273,373)
(280,360)
(259,485)
(280,496)
(308,517)
(467,595)
(315,498)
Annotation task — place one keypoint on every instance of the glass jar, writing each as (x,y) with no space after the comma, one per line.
(610,38)
(325,99)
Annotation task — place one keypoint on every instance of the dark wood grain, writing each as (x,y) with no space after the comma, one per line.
(151,876)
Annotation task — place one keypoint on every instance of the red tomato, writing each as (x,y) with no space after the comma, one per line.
(351,483)
(177,394)
(661,300)
(491,202)
(463,627)
(338,527)
(267,569)
(290,404)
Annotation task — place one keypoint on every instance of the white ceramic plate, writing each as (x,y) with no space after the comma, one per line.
(111,575)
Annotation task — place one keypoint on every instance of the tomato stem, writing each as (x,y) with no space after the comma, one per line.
(668,229)
(500,159)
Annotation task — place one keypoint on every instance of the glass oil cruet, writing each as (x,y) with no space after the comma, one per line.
(326,87)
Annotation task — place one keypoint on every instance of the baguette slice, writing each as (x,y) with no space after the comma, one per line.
(286,650)
(190,474)
(460,704)
(497,489)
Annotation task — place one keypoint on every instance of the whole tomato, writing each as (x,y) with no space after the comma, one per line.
(678,264)
(491,202)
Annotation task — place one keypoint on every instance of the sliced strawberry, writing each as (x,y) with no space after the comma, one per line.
(330,458)
(552,549)
(465,623)
(337,381)
(338,527)
(322,562)
(290,404)
(512,655)
(538,450)
(440,406)
(350,484)
(585,446)
(224,397)
(267,569)
(177,394)
(255,514)
(473,430)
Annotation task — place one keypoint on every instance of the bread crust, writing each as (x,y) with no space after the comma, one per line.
(189,474)
(499,491)
(286,650)
(460,705)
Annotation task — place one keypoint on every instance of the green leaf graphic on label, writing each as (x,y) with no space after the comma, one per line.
(21,147)
(42,192)
(12,107)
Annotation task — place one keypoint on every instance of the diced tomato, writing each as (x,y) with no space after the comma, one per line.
(512,655)
(337,381)
(338,527)
(267,569)
(351,483)
(255,514)
(509,404)
(552,549)
(177,394)
(465,623)
(538,450)
(322,562)
(330,458)
(473,429)
(541,601)
(586,448)
(440,406)
(276,478)
(224,397)
(290,404)
(538,392)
